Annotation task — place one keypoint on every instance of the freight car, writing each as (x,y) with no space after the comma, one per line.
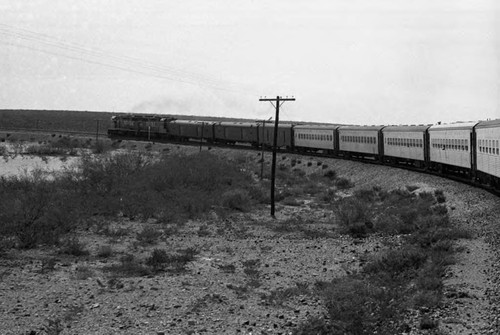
(236,132)
(185,130)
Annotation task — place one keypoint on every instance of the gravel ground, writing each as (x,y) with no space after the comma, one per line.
(219,294)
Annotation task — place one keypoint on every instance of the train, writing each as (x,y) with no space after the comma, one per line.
(469,151)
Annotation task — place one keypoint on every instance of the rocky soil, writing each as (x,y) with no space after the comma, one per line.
(237,282)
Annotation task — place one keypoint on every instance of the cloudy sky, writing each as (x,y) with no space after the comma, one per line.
(345,61)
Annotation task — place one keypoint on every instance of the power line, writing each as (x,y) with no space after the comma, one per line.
(102,58)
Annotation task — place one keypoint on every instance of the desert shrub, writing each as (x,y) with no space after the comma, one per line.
(74,247)
(357,306)
(299,173)
(344,183)
(100,147)
(227,268)
(394,263)
(114,232)
(178,261)
(440,197)
(44,150)
(104,251)
(204,230)
(314,325)
(158,259)
(37,211)
(412,188)
(140,186)
(366,195)
(128,267)
(279,296)
(83,272)
(290,201)
(427,323)
(238,199)
(148,235)
(352,216)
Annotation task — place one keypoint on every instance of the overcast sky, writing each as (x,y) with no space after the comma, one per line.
(345,61)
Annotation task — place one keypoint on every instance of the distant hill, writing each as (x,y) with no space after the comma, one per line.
(85,121)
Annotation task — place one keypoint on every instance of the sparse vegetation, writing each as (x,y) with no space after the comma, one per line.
(74,247)
(396,279)
(131,190)
(148,235)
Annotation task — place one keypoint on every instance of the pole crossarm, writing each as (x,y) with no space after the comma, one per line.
(276,99)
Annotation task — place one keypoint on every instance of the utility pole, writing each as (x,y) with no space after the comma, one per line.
(201,137)
(97,130)
(262,153)
(279,101)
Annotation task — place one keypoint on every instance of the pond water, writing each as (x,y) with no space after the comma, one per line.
(25,164)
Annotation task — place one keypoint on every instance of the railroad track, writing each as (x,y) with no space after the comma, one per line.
(247,147)
(53,131)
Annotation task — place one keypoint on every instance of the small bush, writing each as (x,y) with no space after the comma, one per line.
(73,246)
(344,183)
(279,296)
(204,231)
(227,268)
(412,188)
(356,306)
(314,325)
(148,235)
(104,251)
(352,216)
(395,263)
(236,199)
(83,272)
(440,197)
(128,267)
(158,259)
(427,323)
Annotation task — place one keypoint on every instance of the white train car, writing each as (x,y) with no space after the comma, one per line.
(406,144)
(488,151)
(360,141)
(315,137)
(451,147)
